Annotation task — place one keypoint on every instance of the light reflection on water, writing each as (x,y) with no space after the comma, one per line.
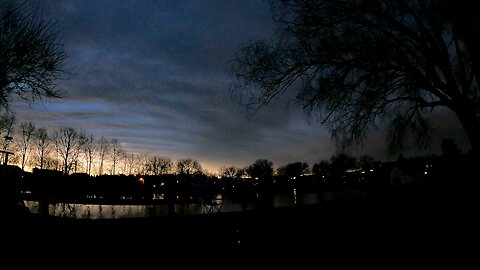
(108,211)
(99,211)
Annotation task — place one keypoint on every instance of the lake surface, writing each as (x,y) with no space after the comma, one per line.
(108,211)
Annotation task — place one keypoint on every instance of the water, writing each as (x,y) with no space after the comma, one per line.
(108,211)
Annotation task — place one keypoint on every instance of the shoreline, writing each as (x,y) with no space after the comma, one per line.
(427,223)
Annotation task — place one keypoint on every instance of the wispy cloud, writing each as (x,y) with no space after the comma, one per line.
(153,75)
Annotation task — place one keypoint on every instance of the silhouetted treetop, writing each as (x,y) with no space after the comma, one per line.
(261,169)
(188,167)
(31,54)
(358,62)
(294,169)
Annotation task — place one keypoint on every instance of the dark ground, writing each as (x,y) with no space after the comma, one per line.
(405,226)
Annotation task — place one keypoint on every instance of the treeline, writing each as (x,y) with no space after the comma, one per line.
(340,172)
(71,150)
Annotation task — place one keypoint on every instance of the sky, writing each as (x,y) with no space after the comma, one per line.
(154,75)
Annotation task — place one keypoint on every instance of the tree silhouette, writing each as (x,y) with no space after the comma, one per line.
(31,54)
(339,164)
(67,142)
(88,148)
(27,134)
(294,169)
(116,153)
(229,172)
(358,62)
(42,146)
(188,167)
(159,165)
(262,169)
(103,147)
(321,169)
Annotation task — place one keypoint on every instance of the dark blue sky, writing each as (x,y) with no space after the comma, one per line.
(153,74)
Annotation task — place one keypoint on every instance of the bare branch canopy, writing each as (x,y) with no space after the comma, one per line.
(358,62)
(31,54)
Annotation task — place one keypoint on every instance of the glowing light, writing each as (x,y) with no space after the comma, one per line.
(141,180)
(425,173)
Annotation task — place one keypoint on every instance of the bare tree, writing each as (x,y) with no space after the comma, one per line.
(42,146)
(89,146)
(159,165)
(31,53)
(143,162)
(115,154)
(153,165)
(188,167)
(138,164)
(50,162)
(123,160)
(27,133)
(229,172)
(67,144)
(359,62)
(292,170)
(103,147)
(322,168)
(165,165)
(260,169)
(131,161)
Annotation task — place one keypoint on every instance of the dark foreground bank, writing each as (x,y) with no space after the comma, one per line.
(408,224)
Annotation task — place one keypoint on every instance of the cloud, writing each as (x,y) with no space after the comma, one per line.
(153,74)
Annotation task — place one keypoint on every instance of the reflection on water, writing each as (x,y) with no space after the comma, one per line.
(99,211)
(104,211)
